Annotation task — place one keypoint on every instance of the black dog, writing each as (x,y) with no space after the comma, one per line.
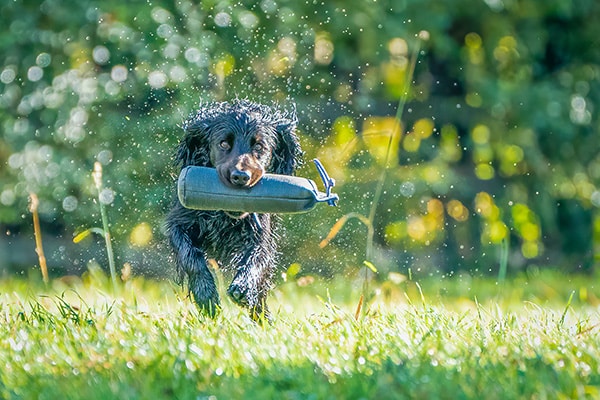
(242,140)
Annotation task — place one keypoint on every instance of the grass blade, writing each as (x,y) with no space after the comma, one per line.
(564,314)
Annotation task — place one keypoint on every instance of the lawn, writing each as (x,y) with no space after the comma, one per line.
(533,336)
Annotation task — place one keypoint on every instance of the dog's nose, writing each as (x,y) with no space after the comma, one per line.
(239,178)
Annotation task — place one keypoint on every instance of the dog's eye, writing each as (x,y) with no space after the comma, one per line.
(258,147)
(224,145)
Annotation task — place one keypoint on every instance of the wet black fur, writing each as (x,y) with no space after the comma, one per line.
(245,246)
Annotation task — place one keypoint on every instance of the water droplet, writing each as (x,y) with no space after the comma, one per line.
(119,73)
(223,19)
(101,55)
(407,189)
(35,73)
(8,75)
(105,157)
(107,196)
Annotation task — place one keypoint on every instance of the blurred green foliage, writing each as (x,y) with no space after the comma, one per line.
(500,135)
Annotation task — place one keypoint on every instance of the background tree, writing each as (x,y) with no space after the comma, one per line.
(500,139)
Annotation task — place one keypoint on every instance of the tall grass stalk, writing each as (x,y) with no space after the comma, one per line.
(395,136)
(97,175)
(37,231)
(504,247)
(369,220)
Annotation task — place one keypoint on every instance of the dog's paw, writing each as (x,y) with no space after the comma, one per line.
(242,295)
(238,294)
(209,307)
(207,300)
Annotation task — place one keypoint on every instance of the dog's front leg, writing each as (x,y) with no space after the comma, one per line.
(191,264)
(254,272)
(250,287)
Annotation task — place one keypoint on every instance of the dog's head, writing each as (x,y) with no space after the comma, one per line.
(241,140)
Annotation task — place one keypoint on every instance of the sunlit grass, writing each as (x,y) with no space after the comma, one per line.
(532,337)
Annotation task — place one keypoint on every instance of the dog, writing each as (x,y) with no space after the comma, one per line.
(242,140)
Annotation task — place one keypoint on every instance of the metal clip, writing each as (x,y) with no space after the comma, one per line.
(330,198)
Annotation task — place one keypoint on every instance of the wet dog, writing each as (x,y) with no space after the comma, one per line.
(242,140)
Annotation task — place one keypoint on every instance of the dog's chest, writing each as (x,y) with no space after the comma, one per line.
(219,230)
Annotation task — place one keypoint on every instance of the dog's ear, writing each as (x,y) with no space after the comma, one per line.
(194,148)
(288,154)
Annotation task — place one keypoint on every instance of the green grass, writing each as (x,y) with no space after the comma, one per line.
(533,337)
